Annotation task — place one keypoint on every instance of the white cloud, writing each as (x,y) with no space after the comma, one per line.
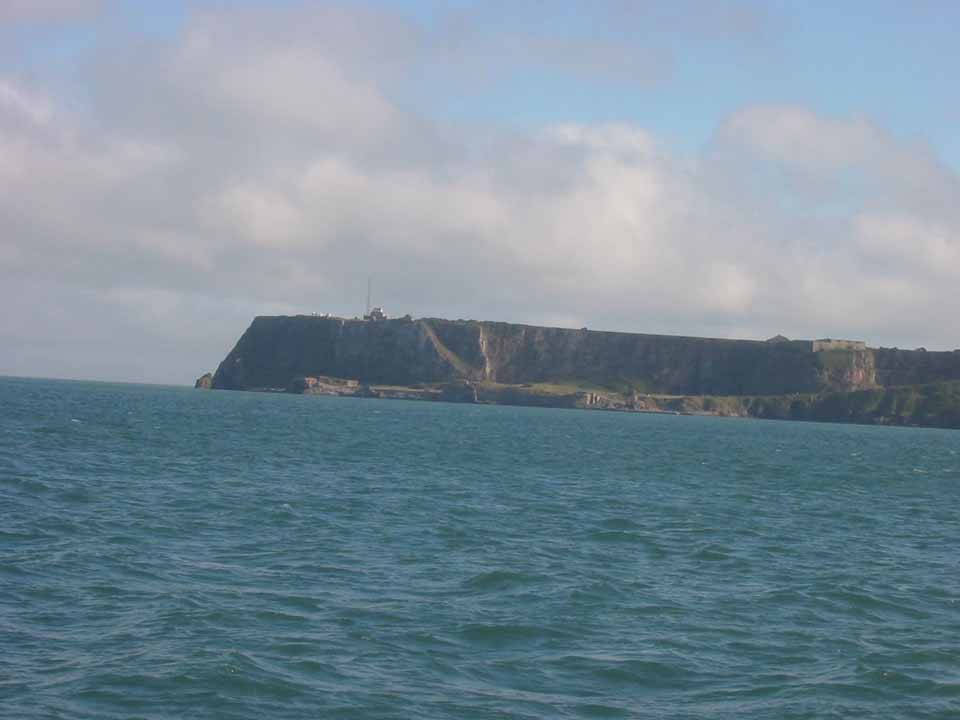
(265,217)
(913,241)
(265,162)
(619,139)
(727,287)
(19,104)
(305,89)
(800,137)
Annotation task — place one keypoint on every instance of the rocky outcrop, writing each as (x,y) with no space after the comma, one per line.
(309,385)
(459,391)
(204,382)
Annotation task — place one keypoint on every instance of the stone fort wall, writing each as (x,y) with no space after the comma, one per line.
(831,344)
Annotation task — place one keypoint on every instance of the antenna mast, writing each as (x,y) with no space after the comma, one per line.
(369,284)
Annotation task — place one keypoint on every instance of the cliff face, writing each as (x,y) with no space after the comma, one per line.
(915,367)
(276,350)
(515,354)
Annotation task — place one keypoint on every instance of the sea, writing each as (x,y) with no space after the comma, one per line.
(174,553)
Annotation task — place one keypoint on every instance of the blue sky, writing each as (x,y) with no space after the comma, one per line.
(722,168)
(892,61)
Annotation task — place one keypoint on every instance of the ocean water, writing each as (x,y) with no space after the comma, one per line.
(171,553)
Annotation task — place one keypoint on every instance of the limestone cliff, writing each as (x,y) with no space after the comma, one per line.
(276,350)
(915,367)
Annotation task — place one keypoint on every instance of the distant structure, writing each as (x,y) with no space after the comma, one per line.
(821,345)
(375,314)
(830,344)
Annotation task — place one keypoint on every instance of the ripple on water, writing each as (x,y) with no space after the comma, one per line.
(610,670)
(247,556)
(500,581)
(624,536)
(862,603)
(620,523)
(592,710)
(511,635)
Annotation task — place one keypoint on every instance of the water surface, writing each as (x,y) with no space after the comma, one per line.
(170,553)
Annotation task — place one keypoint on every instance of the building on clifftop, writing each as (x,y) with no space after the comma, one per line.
(831,344)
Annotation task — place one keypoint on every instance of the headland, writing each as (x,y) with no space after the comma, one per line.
(504,363)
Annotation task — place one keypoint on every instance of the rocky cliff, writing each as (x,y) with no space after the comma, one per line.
(914,367)
(274,351)
(929,405)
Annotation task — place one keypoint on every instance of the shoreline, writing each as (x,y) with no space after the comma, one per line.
(826,407)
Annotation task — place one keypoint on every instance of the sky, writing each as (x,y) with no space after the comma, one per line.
(170,170)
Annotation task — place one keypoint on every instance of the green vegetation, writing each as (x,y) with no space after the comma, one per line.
(934,404)
(565,388)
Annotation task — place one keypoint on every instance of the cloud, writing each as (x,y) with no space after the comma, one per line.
(19,105)
(19,11)
(800,138)
(262,216)
(272,160)
(925,246)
